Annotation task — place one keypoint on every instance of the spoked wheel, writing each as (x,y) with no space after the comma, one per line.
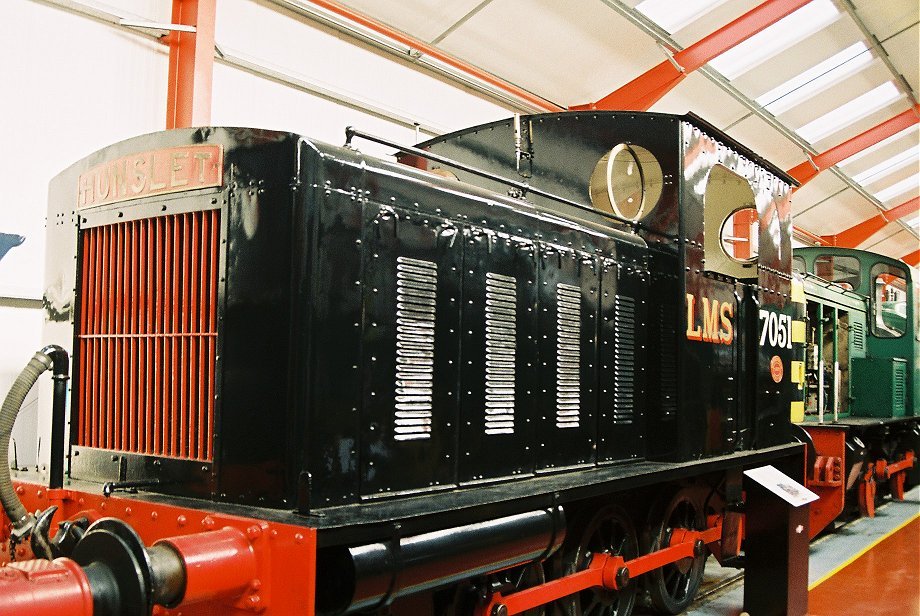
(671,589)
(609,531)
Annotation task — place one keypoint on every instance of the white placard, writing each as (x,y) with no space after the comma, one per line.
(783,486)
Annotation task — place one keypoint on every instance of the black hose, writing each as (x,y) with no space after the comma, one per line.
(51,356)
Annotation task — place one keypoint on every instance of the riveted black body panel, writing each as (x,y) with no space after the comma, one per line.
(387,335)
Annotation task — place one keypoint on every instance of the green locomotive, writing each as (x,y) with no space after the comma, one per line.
(860,375)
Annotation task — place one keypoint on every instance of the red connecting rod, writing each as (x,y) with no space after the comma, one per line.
(606,571)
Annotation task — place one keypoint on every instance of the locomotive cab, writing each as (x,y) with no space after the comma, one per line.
(300,326)
(717,221)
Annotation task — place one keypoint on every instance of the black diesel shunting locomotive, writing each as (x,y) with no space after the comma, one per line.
(517,327)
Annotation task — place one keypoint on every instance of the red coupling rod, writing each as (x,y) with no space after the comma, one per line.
(606,571)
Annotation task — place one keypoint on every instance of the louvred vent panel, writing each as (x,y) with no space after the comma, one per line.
(147,335)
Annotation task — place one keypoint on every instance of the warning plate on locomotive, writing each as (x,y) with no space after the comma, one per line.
(156,172)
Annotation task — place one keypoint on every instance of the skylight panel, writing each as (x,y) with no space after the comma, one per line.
(806,84)
(672,16)
(881,144)
(899,188)
(796,26)
(913,222)
(850,112)
(888,166)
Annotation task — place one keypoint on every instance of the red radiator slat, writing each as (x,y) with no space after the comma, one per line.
(214,262)
(110,376)
(183,342)
(174,307)
(147,336)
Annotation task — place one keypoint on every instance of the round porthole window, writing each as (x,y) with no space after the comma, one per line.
(739,235)
(626,181)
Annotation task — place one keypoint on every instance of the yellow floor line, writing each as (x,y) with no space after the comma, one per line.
(852,558)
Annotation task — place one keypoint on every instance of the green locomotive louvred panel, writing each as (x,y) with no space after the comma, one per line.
(879,387)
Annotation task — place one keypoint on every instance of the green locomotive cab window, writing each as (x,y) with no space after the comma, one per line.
(739,235)
(798,265)
(627,181)
(839,269)
(889,301)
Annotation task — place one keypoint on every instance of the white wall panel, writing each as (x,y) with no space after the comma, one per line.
(71,86)
(21,329)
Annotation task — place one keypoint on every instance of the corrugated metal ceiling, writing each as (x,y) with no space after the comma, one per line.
(828,72)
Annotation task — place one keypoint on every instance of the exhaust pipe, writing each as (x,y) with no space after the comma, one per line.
(350,579)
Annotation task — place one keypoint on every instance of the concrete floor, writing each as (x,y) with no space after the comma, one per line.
(889,576)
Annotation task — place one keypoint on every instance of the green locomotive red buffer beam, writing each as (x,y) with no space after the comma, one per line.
(825,478)
(647,89)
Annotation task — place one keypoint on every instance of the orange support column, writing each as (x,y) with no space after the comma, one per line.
(191,64)
(806,171)
(647,89)
(742,222)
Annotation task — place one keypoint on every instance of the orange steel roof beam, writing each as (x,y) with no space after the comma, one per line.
(811,237)
(859,233)
(807,170)
(912,259)
(191,64)
(647,89)
(433,52)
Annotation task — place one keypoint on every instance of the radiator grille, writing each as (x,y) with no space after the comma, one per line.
(899,387)
(624,348)
(501,342)
(568,356)
(859,337)
(147,335)
(416,293)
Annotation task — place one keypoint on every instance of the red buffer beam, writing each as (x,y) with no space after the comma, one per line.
(191,64)
(647,89)
(807,170)
(859,233)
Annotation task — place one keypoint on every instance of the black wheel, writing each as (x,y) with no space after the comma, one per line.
(609,531)
(671,589)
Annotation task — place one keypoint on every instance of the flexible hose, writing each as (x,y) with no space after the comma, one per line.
(15,511)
